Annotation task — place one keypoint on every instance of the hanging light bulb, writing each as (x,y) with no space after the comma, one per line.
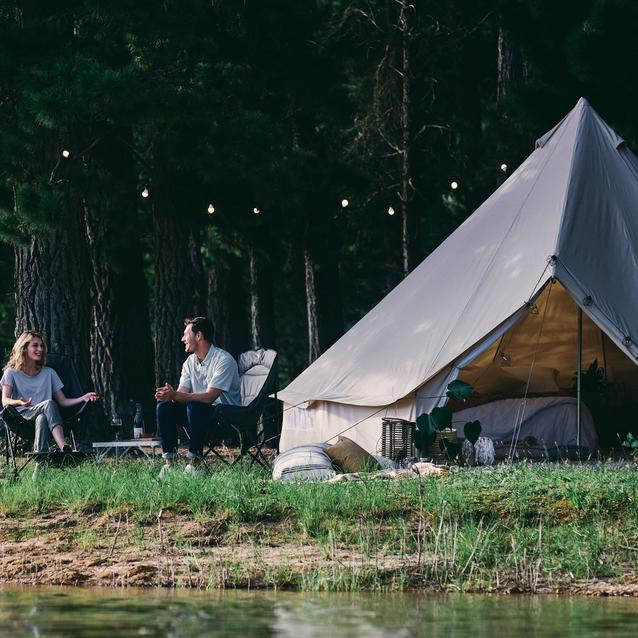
(454,185)
(390,211)
(145,193)
(504,168)
(211,209)
(66,153)
(344,203)
(256,210)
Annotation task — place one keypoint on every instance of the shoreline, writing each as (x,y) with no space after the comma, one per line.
(99,550)
(528,528)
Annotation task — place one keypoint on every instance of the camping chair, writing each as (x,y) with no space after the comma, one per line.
(258,377)
(19,432)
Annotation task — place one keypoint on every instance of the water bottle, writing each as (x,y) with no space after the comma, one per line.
(116,424)
(138,422)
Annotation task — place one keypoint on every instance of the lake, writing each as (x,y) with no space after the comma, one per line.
(103,612)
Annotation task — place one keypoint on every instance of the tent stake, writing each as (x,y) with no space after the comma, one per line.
(579,365)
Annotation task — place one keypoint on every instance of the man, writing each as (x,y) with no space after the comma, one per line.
(209,378)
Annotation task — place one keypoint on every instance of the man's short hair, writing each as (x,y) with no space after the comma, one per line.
(203,325)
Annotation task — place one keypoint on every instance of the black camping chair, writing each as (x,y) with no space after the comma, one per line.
(19,432)
(258,376)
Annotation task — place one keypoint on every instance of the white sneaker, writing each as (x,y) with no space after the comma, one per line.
(167,468)
(193,470)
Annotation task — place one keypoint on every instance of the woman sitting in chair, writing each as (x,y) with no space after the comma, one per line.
(35,390)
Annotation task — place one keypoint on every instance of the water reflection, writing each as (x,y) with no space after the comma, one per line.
(93,613)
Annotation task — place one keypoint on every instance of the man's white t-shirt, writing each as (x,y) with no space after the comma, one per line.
(217,370)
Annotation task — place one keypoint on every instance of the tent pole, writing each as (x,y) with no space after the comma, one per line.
(602,341)
(579,367)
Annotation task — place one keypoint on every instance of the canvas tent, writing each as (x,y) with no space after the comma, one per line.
(565,220)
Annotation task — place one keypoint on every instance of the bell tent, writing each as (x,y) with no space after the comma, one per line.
(499,299)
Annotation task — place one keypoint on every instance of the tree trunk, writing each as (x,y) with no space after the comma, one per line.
(261,301)
(217,308)
(511,68)
(104,328)
(406,225)
(52,291)
(314,349)
(328,280)
(176,295)
(256,330)
(122,368)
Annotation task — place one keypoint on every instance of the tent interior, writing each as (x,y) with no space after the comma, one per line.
(538,357)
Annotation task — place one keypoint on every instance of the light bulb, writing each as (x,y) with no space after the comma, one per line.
(454,185)
(211,209)
(390,211)
(256,210)
(504,168)
(145,193)
(65,153)
(344,203)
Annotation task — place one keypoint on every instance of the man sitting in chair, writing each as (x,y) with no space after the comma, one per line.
(209,378)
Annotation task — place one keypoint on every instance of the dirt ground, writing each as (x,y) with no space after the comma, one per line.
(94,549)
(173,551)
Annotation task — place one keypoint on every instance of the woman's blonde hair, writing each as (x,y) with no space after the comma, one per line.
(18,358)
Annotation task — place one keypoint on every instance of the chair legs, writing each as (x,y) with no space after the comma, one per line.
(10,453)
(254,451)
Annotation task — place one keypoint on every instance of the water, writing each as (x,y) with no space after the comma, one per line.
(92,613)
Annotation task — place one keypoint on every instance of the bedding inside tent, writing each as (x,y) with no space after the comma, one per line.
(525,383)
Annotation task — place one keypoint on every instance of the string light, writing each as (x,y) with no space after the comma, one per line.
(454,185)
(504,168)
(65,153)
(390,211)
(145,193)
(256,210)
(211,209)
(344,203)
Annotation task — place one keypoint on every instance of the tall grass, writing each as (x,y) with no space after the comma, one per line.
(522,526)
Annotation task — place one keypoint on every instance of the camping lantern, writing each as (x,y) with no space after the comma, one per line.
(397,439)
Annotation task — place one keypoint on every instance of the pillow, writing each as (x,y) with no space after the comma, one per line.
(494,381)
(543,380)
(303,463)
(351,457)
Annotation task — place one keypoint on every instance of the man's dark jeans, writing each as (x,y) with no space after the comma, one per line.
(197,417)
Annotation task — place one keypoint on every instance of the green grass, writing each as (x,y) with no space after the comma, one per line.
(523,526)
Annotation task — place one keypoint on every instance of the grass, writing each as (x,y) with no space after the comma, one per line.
(522,527)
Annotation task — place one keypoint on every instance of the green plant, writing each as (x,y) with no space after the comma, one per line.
(440,418)
(631,442)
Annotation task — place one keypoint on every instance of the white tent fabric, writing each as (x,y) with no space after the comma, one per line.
(570,211)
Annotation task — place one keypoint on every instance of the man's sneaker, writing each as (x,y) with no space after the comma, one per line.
(167,468)
(193,470)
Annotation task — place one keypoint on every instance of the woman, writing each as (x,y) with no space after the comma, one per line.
(30,386)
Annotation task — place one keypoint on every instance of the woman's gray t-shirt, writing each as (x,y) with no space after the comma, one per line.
(38,388)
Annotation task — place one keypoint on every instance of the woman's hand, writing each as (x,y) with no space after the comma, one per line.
(90,396)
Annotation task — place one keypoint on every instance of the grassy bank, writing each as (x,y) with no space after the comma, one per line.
(520,528)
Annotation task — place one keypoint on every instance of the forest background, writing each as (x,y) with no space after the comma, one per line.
(160,160)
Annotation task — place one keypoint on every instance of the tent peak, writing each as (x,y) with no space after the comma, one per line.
(582,112)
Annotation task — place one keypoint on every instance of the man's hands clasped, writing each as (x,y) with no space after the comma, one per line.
(165,393)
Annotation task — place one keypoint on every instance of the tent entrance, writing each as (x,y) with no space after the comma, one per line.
(538,356)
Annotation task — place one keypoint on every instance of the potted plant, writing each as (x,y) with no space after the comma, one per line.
(631,442)
(439,422)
